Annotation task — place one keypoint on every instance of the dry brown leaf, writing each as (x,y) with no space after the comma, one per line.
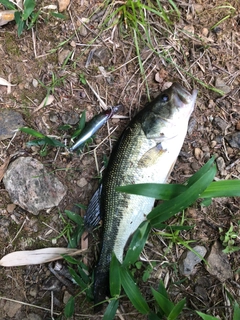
(46,102)
(29,257)
(4,82)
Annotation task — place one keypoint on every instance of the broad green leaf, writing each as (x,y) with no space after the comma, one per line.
(133,292)
(77,279)
(9,5)
(176,310)
(32,132)
(223,188)
(153,316)
(58,15)
(111,310)
(29,6)
(154,190)
(162,289)
(70,259)
(236,312)
(200,172)
(138,242)
(114,277)
(167,209)
(206,316)
(53,142)
(69,308)
(163,303)
(74,217)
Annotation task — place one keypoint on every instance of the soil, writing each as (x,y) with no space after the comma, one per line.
(192,51)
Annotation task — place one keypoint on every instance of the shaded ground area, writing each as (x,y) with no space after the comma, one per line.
(60,56)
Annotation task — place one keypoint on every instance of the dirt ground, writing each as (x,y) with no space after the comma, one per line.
(189,52)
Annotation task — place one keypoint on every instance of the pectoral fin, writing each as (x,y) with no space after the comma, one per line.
(151,156)
(93,213)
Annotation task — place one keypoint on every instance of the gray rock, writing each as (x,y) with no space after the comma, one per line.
(62,55)
(103,55)
(218,264)
(10,121)
(31,187)
(220,123)
(70,117)
(189,260)
(233,139)
(221,166)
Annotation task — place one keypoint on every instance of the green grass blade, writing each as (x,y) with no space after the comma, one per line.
(224,188)
(206,316)
(29,6)
(136,246)
(9,5)
(163,303)
(133,292)
(154,190)
(200,172)
(69,307)
(176,310)
(32,132)
(236,312)
(114,278)
(167,209)
(111,310)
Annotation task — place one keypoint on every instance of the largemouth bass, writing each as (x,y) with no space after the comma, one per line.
(146,152)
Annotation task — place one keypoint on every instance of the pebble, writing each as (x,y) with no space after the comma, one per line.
(35,83)
(82,182)
(103,55)
(234,139)
(238,126)
(220,123)
(62,5)
(218,263)
(205,32)
(11,207)
(198,153)
(221,166)
(44,191)
(11,308)
(189,260)
(10,121)
(62,55)
(83,30)
(70,117)
(221,85)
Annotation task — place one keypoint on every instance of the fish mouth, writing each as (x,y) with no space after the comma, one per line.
(183,97)
(183,94)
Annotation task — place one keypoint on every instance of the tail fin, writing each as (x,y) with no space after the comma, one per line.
(101,287)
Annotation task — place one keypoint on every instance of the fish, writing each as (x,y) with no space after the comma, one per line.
(146,152)
(94,125)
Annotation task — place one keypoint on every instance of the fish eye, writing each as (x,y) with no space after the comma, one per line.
(164,98)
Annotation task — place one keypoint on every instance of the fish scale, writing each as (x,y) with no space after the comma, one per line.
(146,152)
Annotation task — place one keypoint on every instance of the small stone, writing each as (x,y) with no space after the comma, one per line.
(11,308)
(11,207)
(221,166)
(189,28)
(234,139)
(62,5)
(70,117)
(213,144)
(83,30)
(218,263)
(35,83)
(220,123)
(82,182)
(66,297)
(189,260)
(205,32)
(31,187)
(33,291)
(10,121)
(221,85)
(62,55)
(198,153)
(103,55)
